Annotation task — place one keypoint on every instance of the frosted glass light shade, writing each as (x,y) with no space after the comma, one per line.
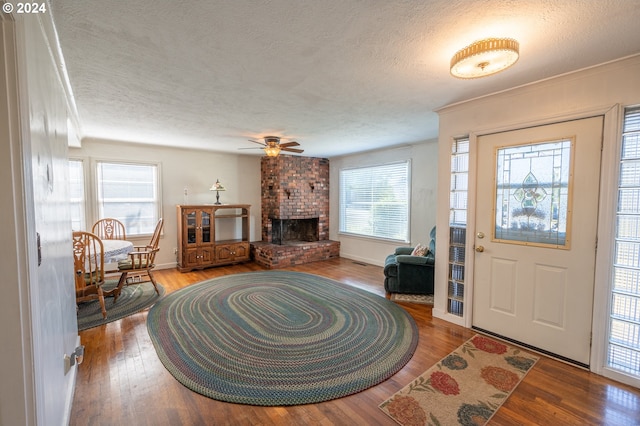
(272,151)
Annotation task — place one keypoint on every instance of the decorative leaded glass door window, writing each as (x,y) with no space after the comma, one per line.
(533,194)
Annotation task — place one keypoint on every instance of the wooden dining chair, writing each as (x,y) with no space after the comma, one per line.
(88,262)
(141,261)
(109,229)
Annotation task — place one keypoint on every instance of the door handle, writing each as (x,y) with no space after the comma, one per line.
(479,249)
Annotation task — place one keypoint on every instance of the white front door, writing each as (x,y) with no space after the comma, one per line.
(535,242)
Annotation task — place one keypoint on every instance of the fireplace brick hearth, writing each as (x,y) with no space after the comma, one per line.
(294,188)
(274,256)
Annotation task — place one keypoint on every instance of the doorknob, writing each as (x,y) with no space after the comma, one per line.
(480,249)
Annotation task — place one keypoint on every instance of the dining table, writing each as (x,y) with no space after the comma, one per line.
(115,251)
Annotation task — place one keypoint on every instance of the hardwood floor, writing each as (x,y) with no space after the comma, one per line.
(122,381)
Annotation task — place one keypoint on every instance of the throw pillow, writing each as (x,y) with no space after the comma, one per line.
(420,250)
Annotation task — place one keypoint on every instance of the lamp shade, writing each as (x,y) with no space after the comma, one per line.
(485,57)
(272,151)
(217,186)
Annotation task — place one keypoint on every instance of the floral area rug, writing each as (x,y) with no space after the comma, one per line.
(466,387)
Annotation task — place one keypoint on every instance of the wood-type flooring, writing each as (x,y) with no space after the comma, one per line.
(122,381)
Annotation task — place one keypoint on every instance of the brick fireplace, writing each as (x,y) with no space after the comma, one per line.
(295,212)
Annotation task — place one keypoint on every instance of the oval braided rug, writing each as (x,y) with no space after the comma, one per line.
(133,299)
(279,338)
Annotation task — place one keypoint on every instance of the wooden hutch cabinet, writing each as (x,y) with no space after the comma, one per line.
(199,231)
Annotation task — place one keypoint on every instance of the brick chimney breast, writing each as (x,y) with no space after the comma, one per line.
(295,187)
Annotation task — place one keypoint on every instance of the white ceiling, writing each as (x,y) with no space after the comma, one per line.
(338,76)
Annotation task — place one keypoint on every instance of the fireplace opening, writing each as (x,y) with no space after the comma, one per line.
(289,231)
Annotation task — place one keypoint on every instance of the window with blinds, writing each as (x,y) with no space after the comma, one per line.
(129,192)
(76,194)
(624,325)
(374,201)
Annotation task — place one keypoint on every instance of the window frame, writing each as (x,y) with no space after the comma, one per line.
(85,191)
(95,202)
(342,204)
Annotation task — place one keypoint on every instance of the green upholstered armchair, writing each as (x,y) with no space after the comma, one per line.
(405,273)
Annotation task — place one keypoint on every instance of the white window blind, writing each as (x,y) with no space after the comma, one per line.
(76,194)
(374,201)
(624,325)
(129,192)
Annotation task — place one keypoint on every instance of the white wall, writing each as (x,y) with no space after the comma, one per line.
(424,172)
(197,170)
(601,90)
(194,169)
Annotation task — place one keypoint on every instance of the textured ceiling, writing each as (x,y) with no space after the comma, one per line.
(339,76)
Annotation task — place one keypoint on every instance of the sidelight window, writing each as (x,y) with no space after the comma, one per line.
(624,323)
(458,225)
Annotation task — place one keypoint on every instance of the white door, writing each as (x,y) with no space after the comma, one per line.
(535,242)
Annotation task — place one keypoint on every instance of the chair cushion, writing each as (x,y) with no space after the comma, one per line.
(413,260)
(91,278)
(128,264)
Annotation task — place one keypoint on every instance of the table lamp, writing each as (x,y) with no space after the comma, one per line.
(217,187)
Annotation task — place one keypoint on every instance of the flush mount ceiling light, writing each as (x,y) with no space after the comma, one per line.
(485,57)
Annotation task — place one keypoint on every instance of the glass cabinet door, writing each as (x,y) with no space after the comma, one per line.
(191,227)
(206,226)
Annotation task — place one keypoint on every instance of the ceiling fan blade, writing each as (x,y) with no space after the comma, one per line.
(251,148)
(286,144)
(259,143)
(291,149)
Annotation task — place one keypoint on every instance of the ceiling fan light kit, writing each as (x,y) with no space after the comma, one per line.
(485,57)
(272,146)
(272,151)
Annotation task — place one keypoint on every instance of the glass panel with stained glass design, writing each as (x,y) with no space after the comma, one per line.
(533,194)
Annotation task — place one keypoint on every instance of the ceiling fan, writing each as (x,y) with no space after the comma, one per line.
(272,146)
